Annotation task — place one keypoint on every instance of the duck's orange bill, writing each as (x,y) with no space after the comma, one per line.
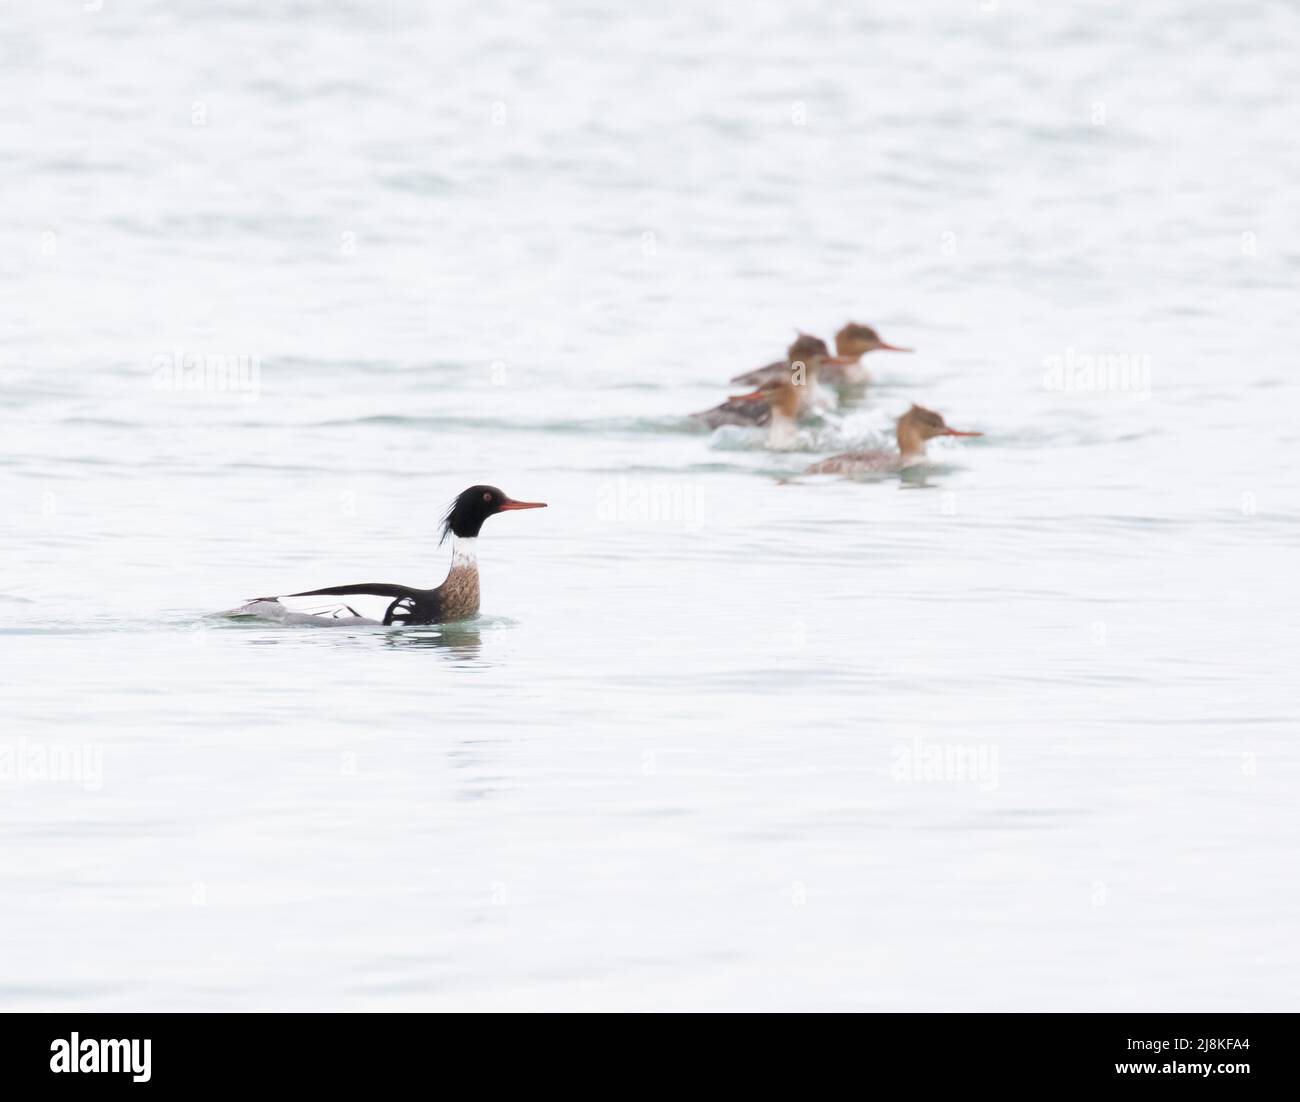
(892,348)
(507,505)
(954,432)
(752,396)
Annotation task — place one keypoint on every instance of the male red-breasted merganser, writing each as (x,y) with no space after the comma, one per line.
(382,603)
(804,362)
(852,343)
(914,428)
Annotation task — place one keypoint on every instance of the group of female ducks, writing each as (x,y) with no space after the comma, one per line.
(789,390)
(783,393)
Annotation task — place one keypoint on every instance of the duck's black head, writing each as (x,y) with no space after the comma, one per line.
(472,507)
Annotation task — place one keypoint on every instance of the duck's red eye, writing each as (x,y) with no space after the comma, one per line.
(487,497)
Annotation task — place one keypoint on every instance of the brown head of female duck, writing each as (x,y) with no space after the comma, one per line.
(852,343)
(801,369)
(782,397)
(805,349)
(917,426)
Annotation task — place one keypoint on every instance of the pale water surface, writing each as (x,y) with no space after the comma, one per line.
(1022,735)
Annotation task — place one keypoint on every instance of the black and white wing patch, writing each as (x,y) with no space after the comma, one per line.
(404,610)
(372,604)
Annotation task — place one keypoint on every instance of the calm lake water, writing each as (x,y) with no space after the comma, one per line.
(1018,735)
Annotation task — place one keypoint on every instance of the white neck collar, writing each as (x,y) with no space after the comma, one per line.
(464,551)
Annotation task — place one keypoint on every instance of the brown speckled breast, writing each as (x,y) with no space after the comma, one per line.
(459,593)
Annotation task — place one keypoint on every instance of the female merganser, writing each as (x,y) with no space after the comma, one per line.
(382,603)
(914,428)
(852,343)
(782,398)
(805,348)
(803,364)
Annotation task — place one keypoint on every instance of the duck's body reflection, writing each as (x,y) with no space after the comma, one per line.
(461,639)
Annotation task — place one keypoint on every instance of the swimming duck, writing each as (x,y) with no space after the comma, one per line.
(803,365)
(853,342)
(783,398)
(457,598)
(914,428)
